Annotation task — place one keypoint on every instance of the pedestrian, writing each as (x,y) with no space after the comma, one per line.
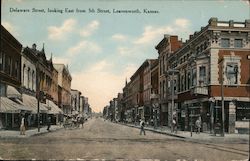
(142,124)
(174,125)
(49,123)
(198,125)
(22,126)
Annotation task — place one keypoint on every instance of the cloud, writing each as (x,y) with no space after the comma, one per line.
(90,28)
(59,33)
(100,84)
(61,60)
(183,23)
(152,33)
(10,28)
(247,2)
(119,37)
(84,47)
(126,51)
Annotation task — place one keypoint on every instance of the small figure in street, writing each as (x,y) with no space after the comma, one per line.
(174,125)
(82,121)
(49,123)
(198,125)
(142,124)
(22,126)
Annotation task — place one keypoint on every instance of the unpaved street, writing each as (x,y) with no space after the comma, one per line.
(105,140)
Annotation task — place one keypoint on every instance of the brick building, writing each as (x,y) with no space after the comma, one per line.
(219,50)
(167,46)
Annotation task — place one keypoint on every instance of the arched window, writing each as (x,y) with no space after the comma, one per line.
(33,80)
(28,74)
(23,73)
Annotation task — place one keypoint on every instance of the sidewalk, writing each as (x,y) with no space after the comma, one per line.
(28,133)
(204,137)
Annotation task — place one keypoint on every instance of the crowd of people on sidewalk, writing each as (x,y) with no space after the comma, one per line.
(74,121)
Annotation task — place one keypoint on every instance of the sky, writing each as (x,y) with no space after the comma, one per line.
(102,49)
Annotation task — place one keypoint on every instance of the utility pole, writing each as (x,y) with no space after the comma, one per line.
(172,101)
(222,98)
(38,96)
(172,72)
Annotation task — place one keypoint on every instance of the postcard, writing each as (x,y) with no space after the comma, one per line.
(125,80)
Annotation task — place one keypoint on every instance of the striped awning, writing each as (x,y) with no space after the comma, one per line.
(10,106)
(53,108)
(13,93)
(31,102)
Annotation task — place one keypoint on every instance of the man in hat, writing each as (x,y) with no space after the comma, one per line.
(142,124)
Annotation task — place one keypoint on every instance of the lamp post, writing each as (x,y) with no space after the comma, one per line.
(212,101)
(172,72)
(222,98)
(38,96)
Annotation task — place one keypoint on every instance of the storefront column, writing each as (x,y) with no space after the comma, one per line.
(12,118)
(232,117)
(6,120)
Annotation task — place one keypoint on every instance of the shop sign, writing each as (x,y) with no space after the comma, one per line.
(183,113)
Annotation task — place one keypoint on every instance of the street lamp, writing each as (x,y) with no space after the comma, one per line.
(212,101)
(38,95)
(222,97)
(172,71)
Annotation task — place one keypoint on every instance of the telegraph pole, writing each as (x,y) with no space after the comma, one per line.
(38,96)
(222,99)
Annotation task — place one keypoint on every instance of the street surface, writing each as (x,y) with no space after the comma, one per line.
(101,139)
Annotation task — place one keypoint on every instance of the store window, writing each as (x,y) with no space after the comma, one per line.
(232,73)
(225,43)
(238,43)
(242,111)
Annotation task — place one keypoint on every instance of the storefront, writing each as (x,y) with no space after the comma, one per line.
(10,113)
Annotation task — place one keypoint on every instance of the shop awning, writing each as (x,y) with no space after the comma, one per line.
(31,102)
(53,108)
(13,93)
(75,112)
(10,106)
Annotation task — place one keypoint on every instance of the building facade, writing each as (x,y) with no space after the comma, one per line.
(212,67)
(64,81)
(167,46)
(75,100)
(10,80)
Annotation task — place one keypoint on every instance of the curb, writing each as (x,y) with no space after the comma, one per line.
(155,131)
(195,140)
(45,132)
(29,135)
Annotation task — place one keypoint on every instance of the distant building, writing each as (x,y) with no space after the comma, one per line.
(64,81)
(75,100)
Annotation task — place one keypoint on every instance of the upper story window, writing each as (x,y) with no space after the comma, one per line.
(16,69)
(238,43)
(232,73)
(1,61)
(8,66)
(202,75)
(225,42)
(193,77)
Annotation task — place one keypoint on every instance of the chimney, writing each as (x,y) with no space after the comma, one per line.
(247,23)
(213,21)
(34,46)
